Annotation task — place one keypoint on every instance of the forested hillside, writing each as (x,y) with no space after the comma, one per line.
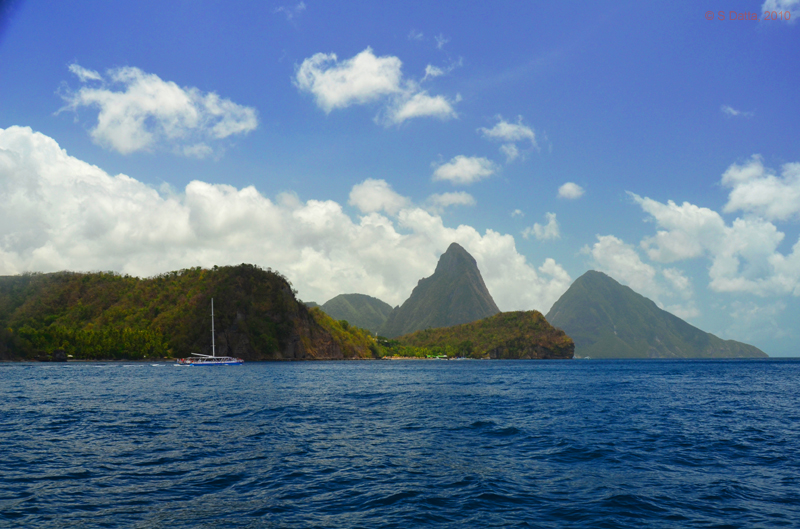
(508,335)
(360,310)
(107,315)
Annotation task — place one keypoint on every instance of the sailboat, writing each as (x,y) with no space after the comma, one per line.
(213,359)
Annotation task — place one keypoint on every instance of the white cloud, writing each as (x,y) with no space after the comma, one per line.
(793,6)
(359,80)
(757,190)
(438,202)
(146,112)
(510,151)
(517,213)
(420,105)
(510,134)
(619,260)
(547,232)
(678,282)
(744,255)
(432,71)
(62,213)
(570,190)
(364,79)
(377,195)
(752,321)
(441,40)
(291,11)
(84,74)
(732,112)
(465,170)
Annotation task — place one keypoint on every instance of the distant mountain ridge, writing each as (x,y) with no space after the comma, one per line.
(360,310)
(609,320)
(453,295)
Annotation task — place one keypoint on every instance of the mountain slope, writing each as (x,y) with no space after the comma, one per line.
(454,294)
(609,320)
(507,335)
(105,315)
(359,310)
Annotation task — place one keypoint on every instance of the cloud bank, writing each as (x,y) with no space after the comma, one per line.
(141,112)
(63,213)
(743,254)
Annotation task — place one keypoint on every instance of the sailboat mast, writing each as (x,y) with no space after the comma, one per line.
(213,352)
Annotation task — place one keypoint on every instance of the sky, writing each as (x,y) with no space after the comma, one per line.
(347,145)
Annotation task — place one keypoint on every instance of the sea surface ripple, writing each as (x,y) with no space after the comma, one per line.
(402,444)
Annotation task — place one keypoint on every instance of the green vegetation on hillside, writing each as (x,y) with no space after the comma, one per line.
(609,320)
(454,294)
(508,335)
(359,310)
(107,315)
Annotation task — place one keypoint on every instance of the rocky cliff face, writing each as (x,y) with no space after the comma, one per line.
(454,294)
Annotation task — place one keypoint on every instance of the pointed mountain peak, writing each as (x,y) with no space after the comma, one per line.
(454,294)
(454,258)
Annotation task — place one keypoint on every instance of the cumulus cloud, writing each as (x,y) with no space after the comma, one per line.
(438,202)
(141,112)
(377,195)
(367,78)
(622,262)
(570,191)
(465,170)
(732,112)
(792,6)
(359,80)
(545,232)
(744,255)
(420,105)
(511,134)
(62,213)
(506,131)
(517,213)
(758,190)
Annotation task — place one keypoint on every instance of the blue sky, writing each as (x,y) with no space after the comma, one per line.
(348,145)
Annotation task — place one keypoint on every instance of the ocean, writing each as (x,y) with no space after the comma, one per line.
(581,443)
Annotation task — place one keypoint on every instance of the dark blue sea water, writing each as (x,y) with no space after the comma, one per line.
(402,444)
